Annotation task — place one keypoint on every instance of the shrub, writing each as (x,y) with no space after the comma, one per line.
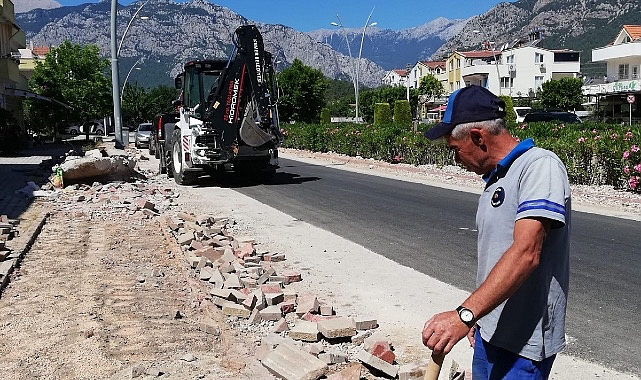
(402,113)
(325,117)
(382,114)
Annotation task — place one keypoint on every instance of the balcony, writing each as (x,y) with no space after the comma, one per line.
(627,50)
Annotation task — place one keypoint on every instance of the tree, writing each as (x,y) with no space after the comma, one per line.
(564,93)
(430,87)
(303,93)
(390,95)
(382,114)
(140,105)
(74,75)
(510,114)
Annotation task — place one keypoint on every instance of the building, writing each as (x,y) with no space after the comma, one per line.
(12,38)
(424,68)
(516,72)
(29,56)
(619,94)
(395,78)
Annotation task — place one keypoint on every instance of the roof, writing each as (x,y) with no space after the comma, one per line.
(634,31)
(40,50)
(401,72)
(433,64)
(480,53)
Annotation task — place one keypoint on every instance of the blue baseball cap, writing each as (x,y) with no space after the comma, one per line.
(467,105)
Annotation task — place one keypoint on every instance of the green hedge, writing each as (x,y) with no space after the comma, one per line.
(594,154)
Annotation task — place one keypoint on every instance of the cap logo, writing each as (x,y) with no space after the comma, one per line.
(498,197)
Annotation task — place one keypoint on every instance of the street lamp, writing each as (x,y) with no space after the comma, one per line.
(356,71)
(115,78)
(124,84)
(408,69)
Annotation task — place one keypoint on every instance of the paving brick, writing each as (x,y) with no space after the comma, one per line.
(281,326)
(254,317)
(290,295)
(274,298)
(232,282)
(365,323)
(292,276)
(271,289)
(287,307)
(360,337)
(222,293)
(271,313)
(206,273)
(290,363)
(376,363)
(305,330)
(326,310)
(383,351)
(208,252)
(231,308)
(340,327)
(185,238)
(307,304)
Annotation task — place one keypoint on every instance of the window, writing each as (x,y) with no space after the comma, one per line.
(538,58)
(458,63)
(635,72)
(509,59)
(507,82)
(451,65)
(624,71)
(538,82)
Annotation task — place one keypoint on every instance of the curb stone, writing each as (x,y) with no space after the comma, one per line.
(21,253)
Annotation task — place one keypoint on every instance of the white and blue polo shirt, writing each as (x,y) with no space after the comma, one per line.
(528,182)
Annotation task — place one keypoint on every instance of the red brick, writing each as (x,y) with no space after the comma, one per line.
(383,351)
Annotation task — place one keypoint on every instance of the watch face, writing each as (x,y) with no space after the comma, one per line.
(466,315)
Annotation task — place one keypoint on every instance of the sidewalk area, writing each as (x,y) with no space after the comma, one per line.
(17,171)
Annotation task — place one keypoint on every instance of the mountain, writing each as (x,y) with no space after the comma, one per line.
(580,25)
(393,49)
(174,33)
(21,6)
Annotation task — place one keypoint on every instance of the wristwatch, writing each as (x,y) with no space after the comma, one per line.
(466,315)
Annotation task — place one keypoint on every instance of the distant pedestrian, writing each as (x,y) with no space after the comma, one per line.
(515,319)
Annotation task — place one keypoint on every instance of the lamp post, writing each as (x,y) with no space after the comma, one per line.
(124,84)
(355,70)
(115,78)
(407,80)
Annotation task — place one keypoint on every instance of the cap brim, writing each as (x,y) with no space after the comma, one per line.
(438,131)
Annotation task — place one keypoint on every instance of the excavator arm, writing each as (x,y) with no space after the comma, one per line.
(241,106)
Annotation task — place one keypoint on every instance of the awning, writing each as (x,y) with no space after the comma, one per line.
(439,108)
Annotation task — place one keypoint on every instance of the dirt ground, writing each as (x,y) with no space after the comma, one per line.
(104,293)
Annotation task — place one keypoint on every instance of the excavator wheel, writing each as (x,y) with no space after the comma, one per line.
(177,165)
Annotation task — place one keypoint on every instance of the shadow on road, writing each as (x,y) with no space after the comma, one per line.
(232,180)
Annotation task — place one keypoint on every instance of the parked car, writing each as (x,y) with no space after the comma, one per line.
(163,123)
(72,129)
(143,131)
(521,112)
(566,117)
(95,127)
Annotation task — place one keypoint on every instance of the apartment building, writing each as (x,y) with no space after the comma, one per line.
(619,94)
(12,38)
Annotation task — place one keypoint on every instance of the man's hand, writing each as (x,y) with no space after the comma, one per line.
(443,331)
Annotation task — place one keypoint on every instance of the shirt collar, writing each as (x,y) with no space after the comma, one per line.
(504,164)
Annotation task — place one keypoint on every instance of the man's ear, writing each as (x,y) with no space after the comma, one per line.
(477,136)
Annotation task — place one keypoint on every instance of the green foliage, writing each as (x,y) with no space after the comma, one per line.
(74,75)
(594,154)
(325,117)
(431,87)
(510,114)
(402,113)
(368,98)
(140,105)
(382,114)
(339,98)
(564,93)
(303,93)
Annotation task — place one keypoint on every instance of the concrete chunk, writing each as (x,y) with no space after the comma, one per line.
(271,313)
(231,308)
(290,363)
(305,330)
(337,327)
(376,363)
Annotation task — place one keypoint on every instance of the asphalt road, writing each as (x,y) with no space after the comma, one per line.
(433,231)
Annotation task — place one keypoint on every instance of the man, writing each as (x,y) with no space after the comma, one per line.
(515,319)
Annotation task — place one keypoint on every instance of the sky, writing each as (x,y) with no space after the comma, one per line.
(307,15)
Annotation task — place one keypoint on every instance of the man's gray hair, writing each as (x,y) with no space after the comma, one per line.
(495,127)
